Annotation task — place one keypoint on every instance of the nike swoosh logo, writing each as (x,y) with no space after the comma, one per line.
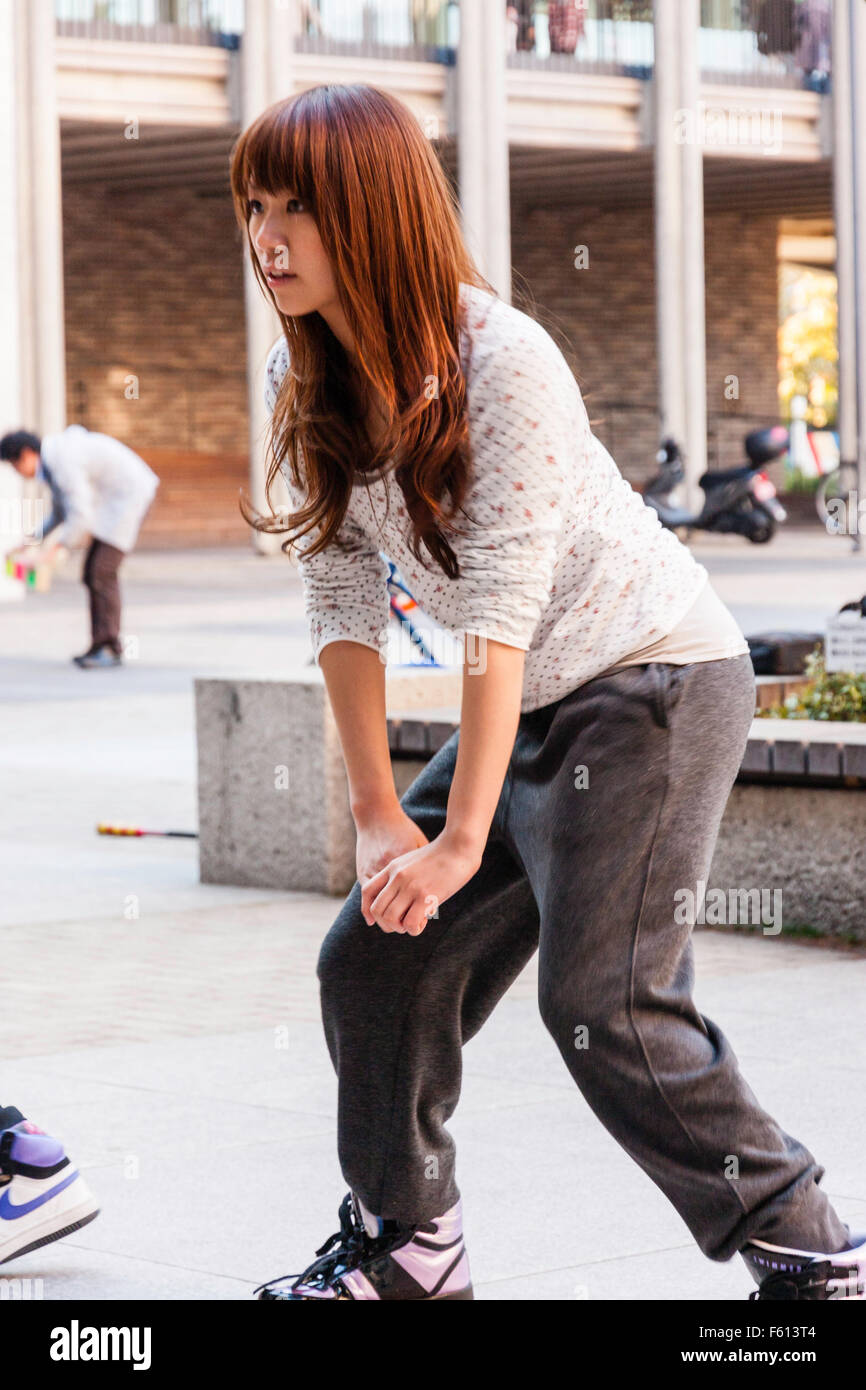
(10,1212)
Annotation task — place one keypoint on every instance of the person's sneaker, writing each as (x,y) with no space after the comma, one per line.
(373,1259)
(42,1196)
(784,1273)
(98,657)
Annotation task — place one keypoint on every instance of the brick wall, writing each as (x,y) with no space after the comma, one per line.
(154,289)
(607,313)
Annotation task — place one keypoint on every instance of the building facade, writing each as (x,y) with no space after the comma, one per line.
(624,172)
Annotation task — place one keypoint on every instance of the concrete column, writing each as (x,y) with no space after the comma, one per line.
(693,275)
(41,261)
(13,407)
(679,236)
(32,345)
(33,378)
(857,53)
(497,183)
(470,130)
(482,141)
(668,216)
(11,375)
(267,76)
(843,208)
(284,20)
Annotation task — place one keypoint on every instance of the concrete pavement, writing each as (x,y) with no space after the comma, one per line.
(169,1031)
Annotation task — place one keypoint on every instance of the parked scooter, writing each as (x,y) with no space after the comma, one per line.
(741,500)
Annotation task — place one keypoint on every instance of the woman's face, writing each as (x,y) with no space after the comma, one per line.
(286,241)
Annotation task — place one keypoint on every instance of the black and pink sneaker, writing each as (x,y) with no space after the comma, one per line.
(783,1272)
(369,1258)
(42,1195)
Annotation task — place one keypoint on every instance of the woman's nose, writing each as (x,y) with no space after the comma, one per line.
(268,240)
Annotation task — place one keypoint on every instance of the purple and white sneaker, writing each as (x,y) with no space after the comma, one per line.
(369,1258)
(42,1197)
(782,1272)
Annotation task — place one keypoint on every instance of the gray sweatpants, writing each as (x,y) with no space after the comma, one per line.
(584,867)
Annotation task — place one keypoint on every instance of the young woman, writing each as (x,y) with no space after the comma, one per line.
(605,710)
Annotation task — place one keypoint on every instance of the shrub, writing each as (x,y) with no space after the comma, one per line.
(829,695)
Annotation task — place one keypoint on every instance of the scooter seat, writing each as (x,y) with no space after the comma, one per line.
(762,446)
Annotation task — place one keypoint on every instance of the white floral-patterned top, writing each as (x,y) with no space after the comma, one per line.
(563,559)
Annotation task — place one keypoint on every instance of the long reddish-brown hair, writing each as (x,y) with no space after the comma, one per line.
(389,225)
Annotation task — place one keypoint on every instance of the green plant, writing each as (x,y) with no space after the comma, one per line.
(836,695)
(798,481)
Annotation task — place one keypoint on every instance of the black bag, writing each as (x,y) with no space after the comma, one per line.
(782,653)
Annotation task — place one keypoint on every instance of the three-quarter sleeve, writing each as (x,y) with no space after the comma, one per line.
(525,419)
(345,586)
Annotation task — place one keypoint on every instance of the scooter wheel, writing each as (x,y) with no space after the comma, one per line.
(760,524)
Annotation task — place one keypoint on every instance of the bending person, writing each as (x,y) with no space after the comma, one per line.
(99,487)
(606,707)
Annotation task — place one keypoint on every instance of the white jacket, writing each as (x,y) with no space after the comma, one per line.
(105,487)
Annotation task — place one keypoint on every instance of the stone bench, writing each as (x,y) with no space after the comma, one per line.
(273,804)
(796,820)
(272,792)
(790,751)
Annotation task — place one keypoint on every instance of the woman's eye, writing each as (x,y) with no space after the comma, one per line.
(255,209)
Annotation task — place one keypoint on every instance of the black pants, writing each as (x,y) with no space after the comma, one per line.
(100,575)
(584,865)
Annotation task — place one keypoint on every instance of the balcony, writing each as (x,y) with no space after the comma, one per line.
(202,22)
(740,41)
(174,65)
(764,43)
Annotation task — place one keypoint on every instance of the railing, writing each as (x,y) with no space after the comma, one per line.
(614,36)
(772,42)
(763,42)
(414,28)
(155,21)
(426,30)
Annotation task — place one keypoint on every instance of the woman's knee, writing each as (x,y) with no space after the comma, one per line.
(580,1021)
(338,954)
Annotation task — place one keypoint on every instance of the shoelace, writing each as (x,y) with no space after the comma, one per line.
(354,1246)
(353,1242)
(784,1285)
